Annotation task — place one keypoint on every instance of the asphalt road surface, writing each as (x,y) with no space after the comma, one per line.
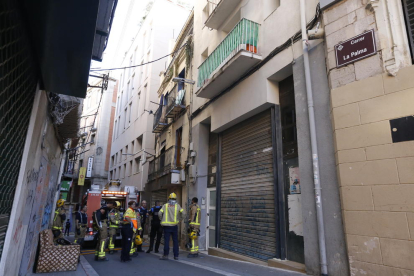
(149,264)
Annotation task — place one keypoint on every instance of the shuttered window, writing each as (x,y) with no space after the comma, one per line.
(247,189)
(160,195)
(409,21)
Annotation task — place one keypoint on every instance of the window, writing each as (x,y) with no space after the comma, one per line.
(80,163)
(139,104)
(139,144)
(130,64)
(83,142)
(120,157)
(119,123)
(130,168)
(112,160)
(111,175)
(144,95)
(124,172)
(132,147)
(141,70)
(92,138)
(127,90)
(130,111)
(147,66)
(115,174)
(132,86)
(115,131)
(137,164)
(126,152)
(119,172)
(204,55)
(116,158)
(125,117)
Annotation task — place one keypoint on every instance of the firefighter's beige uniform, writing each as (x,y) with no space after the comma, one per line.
(102,224)
(58,220)
(194,226)
(114,220)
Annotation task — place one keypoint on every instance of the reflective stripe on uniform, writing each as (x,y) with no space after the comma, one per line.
(197,221)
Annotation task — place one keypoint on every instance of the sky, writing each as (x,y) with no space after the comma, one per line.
(125,23)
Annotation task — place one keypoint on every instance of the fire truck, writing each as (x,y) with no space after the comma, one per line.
(112,192)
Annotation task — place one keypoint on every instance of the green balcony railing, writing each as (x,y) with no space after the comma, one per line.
(244,36)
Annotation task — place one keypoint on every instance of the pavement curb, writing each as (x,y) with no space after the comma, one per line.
(87,267)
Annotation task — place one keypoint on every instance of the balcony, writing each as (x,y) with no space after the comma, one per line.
(164,163)
(219,11)
(160,121)
(175,102)
(232,58)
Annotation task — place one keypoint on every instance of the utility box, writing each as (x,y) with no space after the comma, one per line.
(192,171)
(175,177)
(182,173)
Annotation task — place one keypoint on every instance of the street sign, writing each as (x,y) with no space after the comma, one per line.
(356,48)
(81,180)
(89,168)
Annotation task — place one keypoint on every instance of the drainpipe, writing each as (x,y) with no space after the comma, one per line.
(314,146)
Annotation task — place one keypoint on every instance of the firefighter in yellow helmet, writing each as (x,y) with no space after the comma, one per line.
(170,215)
(194,232)
(114,221)
(58,219)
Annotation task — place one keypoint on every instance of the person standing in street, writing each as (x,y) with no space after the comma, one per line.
(194,221)
(114,220)
(137,231)
(144,215)
(101,220)
(81,224)
(58,219)
(156,229)
(128,225)
(170,215)
(67,227)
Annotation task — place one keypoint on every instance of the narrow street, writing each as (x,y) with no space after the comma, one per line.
(149,264)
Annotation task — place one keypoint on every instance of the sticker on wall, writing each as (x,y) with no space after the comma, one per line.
(294,180)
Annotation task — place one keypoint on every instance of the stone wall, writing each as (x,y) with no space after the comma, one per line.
(376,175)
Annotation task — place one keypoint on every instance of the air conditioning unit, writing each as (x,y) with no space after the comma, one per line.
(175,177)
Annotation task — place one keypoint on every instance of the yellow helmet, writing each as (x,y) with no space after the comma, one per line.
(193,235)
(118,204)
(172,196)
(60,202)
(138,240)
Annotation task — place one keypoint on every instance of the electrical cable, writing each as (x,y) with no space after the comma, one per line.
(295,38)
(133,66)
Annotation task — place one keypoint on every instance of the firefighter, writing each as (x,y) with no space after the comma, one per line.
(194,232)
(101,220)
(170,215)
(59,218)
(134,246)
(156,229)
(114,220)
(81,224)
(129,224)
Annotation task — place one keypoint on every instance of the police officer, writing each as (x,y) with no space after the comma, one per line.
(170,215)
(81,224)
(114,220)
(156,229)
(129,223)
(101,220)
(194,221)
(59,218)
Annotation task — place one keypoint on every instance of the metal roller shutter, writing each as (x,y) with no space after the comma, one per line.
(247,189)
(409,21)
(160,195)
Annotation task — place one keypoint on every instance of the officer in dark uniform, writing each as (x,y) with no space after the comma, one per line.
(156,229)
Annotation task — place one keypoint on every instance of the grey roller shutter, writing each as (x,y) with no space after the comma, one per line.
(160,195)
(247,189)
(409,21)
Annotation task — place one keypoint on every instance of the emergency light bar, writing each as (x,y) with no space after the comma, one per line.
(114,193)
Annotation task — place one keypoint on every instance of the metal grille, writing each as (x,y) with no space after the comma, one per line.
(409,21)
(247,189)
(17,89)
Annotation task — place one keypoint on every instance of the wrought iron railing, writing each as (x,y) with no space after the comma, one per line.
(244,36)
(176,102)
(160,121)
(163,163)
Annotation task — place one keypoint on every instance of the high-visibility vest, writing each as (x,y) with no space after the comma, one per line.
(195,218)
(169,214)
(130,213)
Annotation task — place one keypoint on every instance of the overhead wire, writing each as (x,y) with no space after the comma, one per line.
(138,65)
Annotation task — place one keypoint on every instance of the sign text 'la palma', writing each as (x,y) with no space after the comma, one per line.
(356,48)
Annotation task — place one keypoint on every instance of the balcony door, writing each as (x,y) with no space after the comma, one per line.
(179,138)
